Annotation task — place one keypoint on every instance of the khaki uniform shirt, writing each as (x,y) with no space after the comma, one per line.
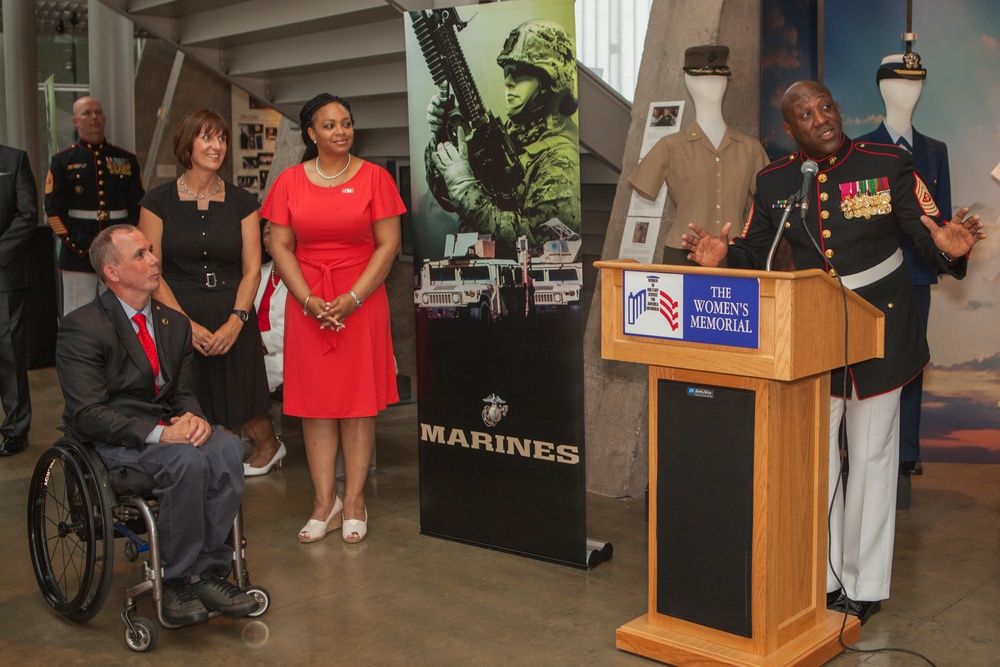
(709,187)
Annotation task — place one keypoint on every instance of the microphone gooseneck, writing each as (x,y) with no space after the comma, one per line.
(809,171)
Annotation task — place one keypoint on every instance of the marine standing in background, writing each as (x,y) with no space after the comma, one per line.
(90,185)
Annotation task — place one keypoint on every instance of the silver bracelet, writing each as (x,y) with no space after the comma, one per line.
(355,297)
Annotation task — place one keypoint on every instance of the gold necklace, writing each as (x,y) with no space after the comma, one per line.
(218,186)
(335,176)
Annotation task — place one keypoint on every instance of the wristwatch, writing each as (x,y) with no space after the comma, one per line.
(242,314)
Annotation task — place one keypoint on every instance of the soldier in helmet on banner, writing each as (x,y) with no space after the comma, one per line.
(539,71)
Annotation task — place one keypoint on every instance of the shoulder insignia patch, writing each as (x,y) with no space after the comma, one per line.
(924,197)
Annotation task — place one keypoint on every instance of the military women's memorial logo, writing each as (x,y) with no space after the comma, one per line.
(697,308)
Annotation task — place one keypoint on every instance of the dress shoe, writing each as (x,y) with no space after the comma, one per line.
(275,462)
(911,468)
(355,529)
(218,594)
(836,601)
(863,610)
(13,444)
(316,530)
(179,604)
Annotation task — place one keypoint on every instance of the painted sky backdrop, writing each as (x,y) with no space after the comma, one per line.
(959,44)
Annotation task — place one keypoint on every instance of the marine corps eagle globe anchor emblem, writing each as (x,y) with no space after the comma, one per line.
(494,410)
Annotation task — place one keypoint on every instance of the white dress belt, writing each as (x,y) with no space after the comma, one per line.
(875,273)
(121,214)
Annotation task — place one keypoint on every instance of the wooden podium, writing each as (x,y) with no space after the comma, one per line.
(738,480)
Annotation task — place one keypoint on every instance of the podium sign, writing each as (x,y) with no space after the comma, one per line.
(722,310)
(739,410)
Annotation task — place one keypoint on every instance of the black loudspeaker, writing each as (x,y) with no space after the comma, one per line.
(704,504)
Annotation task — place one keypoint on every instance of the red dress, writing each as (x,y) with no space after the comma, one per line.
(349,373)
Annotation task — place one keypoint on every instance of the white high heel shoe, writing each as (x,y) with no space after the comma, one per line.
(315,529)
(355,526)
(250,471)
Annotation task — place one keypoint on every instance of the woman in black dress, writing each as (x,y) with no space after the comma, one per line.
(206,234)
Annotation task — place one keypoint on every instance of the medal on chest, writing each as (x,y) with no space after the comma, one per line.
(863,199)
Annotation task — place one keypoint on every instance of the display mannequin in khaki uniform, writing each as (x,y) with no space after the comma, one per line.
(862,200)
(90,185)
(708,166)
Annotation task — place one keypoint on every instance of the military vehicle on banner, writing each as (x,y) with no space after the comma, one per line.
(556,275)
(471,282)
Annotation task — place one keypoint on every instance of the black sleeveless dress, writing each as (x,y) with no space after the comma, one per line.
(202,263)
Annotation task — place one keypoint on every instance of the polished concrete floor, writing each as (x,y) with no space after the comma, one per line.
(400,598)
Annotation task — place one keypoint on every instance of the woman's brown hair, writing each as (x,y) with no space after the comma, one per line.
(195,124)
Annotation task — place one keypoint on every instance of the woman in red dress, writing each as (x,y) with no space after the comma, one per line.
(334,237)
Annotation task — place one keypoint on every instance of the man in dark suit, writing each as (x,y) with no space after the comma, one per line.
(863,198)
(128,390)
(18,217)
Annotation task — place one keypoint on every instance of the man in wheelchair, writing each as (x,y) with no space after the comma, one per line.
(128,389)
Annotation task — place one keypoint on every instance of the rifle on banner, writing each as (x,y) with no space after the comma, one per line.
(491,153)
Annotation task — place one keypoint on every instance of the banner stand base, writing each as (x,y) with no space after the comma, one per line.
(598,552)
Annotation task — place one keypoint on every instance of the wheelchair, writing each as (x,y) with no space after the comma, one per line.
(76,507)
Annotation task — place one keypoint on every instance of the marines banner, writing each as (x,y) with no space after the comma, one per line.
(498,276)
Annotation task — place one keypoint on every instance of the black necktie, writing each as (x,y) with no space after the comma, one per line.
(903,143)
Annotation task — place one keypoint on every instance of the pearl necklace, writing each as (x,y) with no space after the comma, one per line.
(335,176)
(218,186)
(274,277)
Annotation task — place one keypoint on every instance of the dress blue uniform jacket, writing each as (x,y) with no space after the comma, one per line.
(849,246)
(98,179)
(931,157)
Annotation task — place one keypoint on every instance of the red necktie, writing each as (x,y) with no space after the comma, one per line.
(148,347)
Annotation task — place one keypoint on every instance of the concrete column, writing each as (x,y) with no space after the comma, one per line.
(20,50)
(617,393)
(112,71)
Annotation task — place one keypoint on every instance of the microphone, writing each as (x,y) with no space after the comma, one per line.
(809,171)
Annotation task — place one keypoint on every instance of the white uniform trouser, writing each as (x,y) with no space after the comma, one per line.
(79,289)
(863,520)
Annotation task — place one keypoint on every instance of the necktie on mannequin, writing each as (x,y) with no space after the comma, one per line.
(903,143)
(148,347)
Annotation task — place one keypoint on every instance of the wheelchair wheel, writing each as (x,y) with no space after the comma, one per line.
(69,530)
(144,637)
(263,598)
